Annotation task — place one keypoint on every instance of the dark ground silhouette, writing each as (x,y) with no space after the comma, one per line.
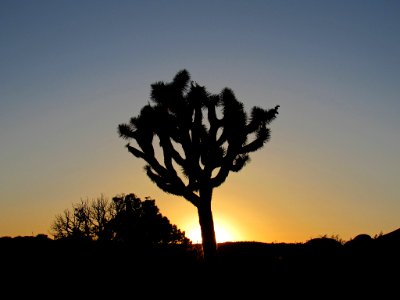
(362,266)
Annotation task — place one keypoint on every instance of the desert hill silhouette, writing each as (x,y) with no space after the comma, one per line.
(362,265)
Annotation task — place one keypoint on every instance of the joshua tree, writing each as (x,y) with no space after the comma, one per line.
(202,137)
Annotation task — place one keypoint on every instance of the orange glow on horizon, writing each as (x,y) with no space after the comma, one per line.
(223,233)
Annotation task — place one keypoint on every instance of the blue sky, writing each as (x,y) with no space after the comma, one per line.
(71,71)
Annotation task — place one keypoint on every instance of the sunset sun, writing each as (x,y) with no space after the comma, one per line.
(222,234)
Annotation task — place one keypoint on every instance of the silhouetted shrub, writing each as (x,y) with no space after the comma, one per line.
(126,219)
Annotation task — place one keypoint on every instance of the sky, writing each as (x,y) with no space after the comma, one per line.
(71,71)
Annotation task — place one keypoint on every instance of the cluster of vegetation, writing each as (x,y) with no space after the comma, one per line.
(126,218)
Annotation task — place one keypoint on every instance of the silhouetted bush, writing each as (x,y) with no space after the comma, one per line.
(126,219)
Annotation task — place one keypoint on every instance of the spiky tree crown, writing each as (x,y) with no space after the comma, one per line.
(177,116)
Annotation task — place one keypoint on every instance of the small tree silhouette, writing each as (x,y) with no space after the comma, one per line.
(197,154)
(140,222)
(125,219)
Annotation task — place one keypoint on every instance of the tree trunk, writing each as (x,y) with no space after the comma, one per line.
(206,221)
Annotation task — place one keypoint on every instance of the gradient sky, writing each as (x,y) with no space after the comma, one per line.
(71,71)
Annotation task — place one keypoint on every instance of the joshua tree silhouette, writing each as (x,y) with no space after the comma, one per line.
(205,151)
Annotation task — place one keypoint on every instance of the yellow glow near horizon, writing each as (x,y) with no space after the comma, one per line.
(222,234)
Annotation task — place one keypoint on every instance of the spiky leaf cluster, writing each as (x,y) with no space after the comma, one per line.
(213,131)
